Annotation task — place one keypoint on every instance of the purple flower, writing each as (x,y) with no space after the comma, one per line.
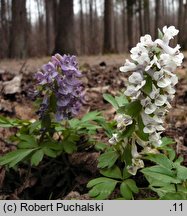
(59,78)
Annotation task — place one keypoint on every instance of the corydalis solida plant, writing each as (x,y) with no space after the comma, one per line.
(137,138)
(150,88)
(63,91)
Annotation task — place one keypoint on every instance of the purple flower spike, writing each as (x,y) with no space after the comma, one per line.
(59,78)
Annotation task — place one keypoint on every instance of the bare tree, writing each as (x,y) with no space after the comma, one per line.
(146,17)
(3,30)
(82,32)
(157,17)
(65,40)
(108,28)
(48,26)
(18,36)
(130,34)
(140,17)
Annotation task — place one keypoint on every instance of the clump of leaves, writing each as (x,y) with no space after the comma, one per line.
(167,177)
(33,142)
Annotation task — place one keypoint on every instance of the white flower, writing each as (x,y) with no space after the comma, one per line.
(155,137)
(148,105)
(153,127)
(123,120)
(159,99)
(154,61)
(167,49)
(131,91)
(162,78)
(140,54)
(114,139)
(178,59)
(147,41)
(159,115)
(136,164)
(136,78)
(149,150)
(169,33)
(167,63)
(134,151)
(128,66)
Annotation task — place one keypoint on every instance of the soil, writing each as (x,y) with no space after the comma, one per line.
(49,180)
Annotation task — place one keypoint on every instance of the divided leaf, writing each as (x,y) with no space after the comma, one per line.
(113,172)
(37,157)
(101,188)
(107,159)
(111,100)
(14,157)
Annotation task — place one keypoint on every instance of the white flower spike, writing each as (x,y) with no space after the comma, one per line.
(151,85)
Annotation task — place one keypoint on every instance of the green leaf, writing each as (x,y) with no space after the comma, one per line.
(113,172)
(140,131)
(126,174)
(161,191)
(49,152)
(128,131)
(126,191)
(52,145)
(100,146)
(160,159)
(37,157)
(74,123)
(92,116)
(69,146)
(6,122)
(167,141)
(132,109)
(161,170)
(14,157)
(171,152)
(121,100)
(147,88)
(27,141)
(158,179)
(178,161)
(103,189)
(181,172)
(34,126)
(107,159)
(174,196)
(132,185)
(111,100)
(160,34)
(127,156)
(108,127)
(96,181)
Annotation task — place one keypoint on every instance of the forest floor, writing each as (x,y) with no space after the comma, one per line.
(101,75)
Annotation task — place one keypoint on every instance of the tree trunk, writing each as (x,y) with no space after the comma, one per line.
(18,40)
(180,21)
(91,37)
(124,24)
(146,17)
(82,33)
(108,28)
(65,40)
(48,26)
(157,17)
(3,31)
(130,34)
(140,17)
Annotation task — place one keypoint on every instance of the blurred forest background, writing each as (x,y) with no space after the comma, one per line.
(30,28)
